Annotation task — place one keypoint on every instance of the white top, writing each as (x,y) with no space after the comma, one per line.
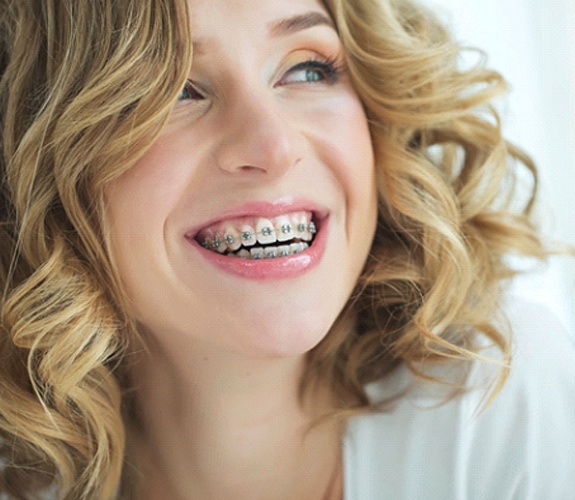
(521,447)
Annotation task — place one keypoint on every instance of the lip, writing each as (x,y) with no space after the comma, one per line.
(262,209)
(287,267)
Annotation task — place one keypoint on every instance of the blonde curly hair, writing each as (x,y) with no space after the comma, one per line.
(85,88)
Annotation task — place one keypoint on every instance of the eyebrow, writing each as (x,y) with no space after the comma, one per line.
(287,26)
(299,22)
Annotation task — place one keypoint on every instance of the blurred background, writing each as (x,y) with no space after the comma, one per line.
(532,43)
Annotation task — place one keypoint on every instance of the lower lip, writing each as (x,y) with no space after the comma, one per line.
(288,267)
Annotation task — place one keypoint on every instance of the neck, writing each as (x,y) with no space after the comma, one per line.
(217,424)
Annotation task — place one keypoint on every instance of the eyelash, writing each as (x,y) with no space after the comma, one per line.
(190,88)
(330,68)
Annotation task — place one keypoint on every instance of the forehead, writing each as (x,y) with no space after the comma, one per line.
(214,18)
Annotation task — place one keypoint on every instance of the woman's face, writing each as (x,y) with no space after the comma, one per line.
(247,223)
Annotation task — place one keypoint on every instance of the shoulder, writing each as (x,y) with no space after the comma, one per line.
(521,446)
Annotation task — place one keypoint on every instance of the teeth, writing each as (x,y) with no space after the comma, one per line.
(283,251)
(232,238)
(257,253)
(243,237)
(248,236)
(300,227)
(265,231)
(270,253)
(218,244)
(295,248)
(284,228)
(244,254)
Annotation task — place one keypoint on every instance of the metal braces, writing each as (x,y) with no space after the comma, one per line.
(266,231)
(272,253)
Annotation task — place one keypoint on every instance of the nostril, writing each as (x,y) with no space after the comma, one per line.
(249,168)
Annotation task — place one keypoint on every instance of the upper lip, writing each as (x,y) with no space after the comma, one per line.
(265,209)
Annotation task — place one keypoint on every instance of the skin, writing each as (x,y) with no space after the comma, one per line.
(218,385)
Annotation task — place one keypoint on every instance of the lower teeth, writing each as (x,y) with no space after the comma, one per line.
(270,252)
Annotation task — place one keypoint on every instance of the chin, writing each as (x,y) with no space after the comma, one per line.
(296,340)
(295,335)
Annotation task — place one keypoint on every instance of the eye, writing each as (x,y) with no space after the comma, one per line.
(311,71)
(190,93)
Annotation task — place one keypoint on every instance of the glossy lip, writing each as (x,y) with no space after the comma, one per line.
(262,209)
(291,266)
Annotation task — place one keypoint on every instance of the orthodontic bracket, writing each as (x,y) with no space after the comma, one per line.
(266,231)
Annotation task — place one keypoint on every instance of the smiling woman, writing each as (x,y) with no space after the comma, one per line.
(257,250)
(241,159)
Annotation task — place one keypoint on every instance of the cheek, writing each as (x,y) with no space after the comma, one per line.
(341,130)
(140,200)
(152,182)
(138,204)
(344,138)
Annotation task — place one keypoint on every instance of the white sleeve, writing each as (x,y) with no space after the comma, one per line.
(522,447)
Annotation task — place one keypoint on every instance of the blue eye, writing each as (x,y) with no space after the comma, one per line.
(312,71)
(189,93)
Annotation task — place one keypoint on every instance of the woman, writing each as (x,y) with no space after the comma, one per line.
(242,277)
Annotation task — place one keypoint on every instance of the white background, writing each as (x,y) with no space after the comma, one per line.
(532,43)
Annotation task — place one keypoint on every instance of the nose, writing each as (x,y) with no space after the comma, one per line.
(258,137)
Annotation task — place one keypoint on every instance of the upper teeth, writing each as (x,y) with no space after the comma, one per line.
(230,236)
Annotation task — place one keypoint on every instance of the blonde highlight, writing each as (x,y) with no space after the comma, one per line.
(74,117)
(438,267)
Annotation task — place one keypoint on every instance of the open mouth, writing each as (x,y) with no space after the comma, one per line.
(260,237)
